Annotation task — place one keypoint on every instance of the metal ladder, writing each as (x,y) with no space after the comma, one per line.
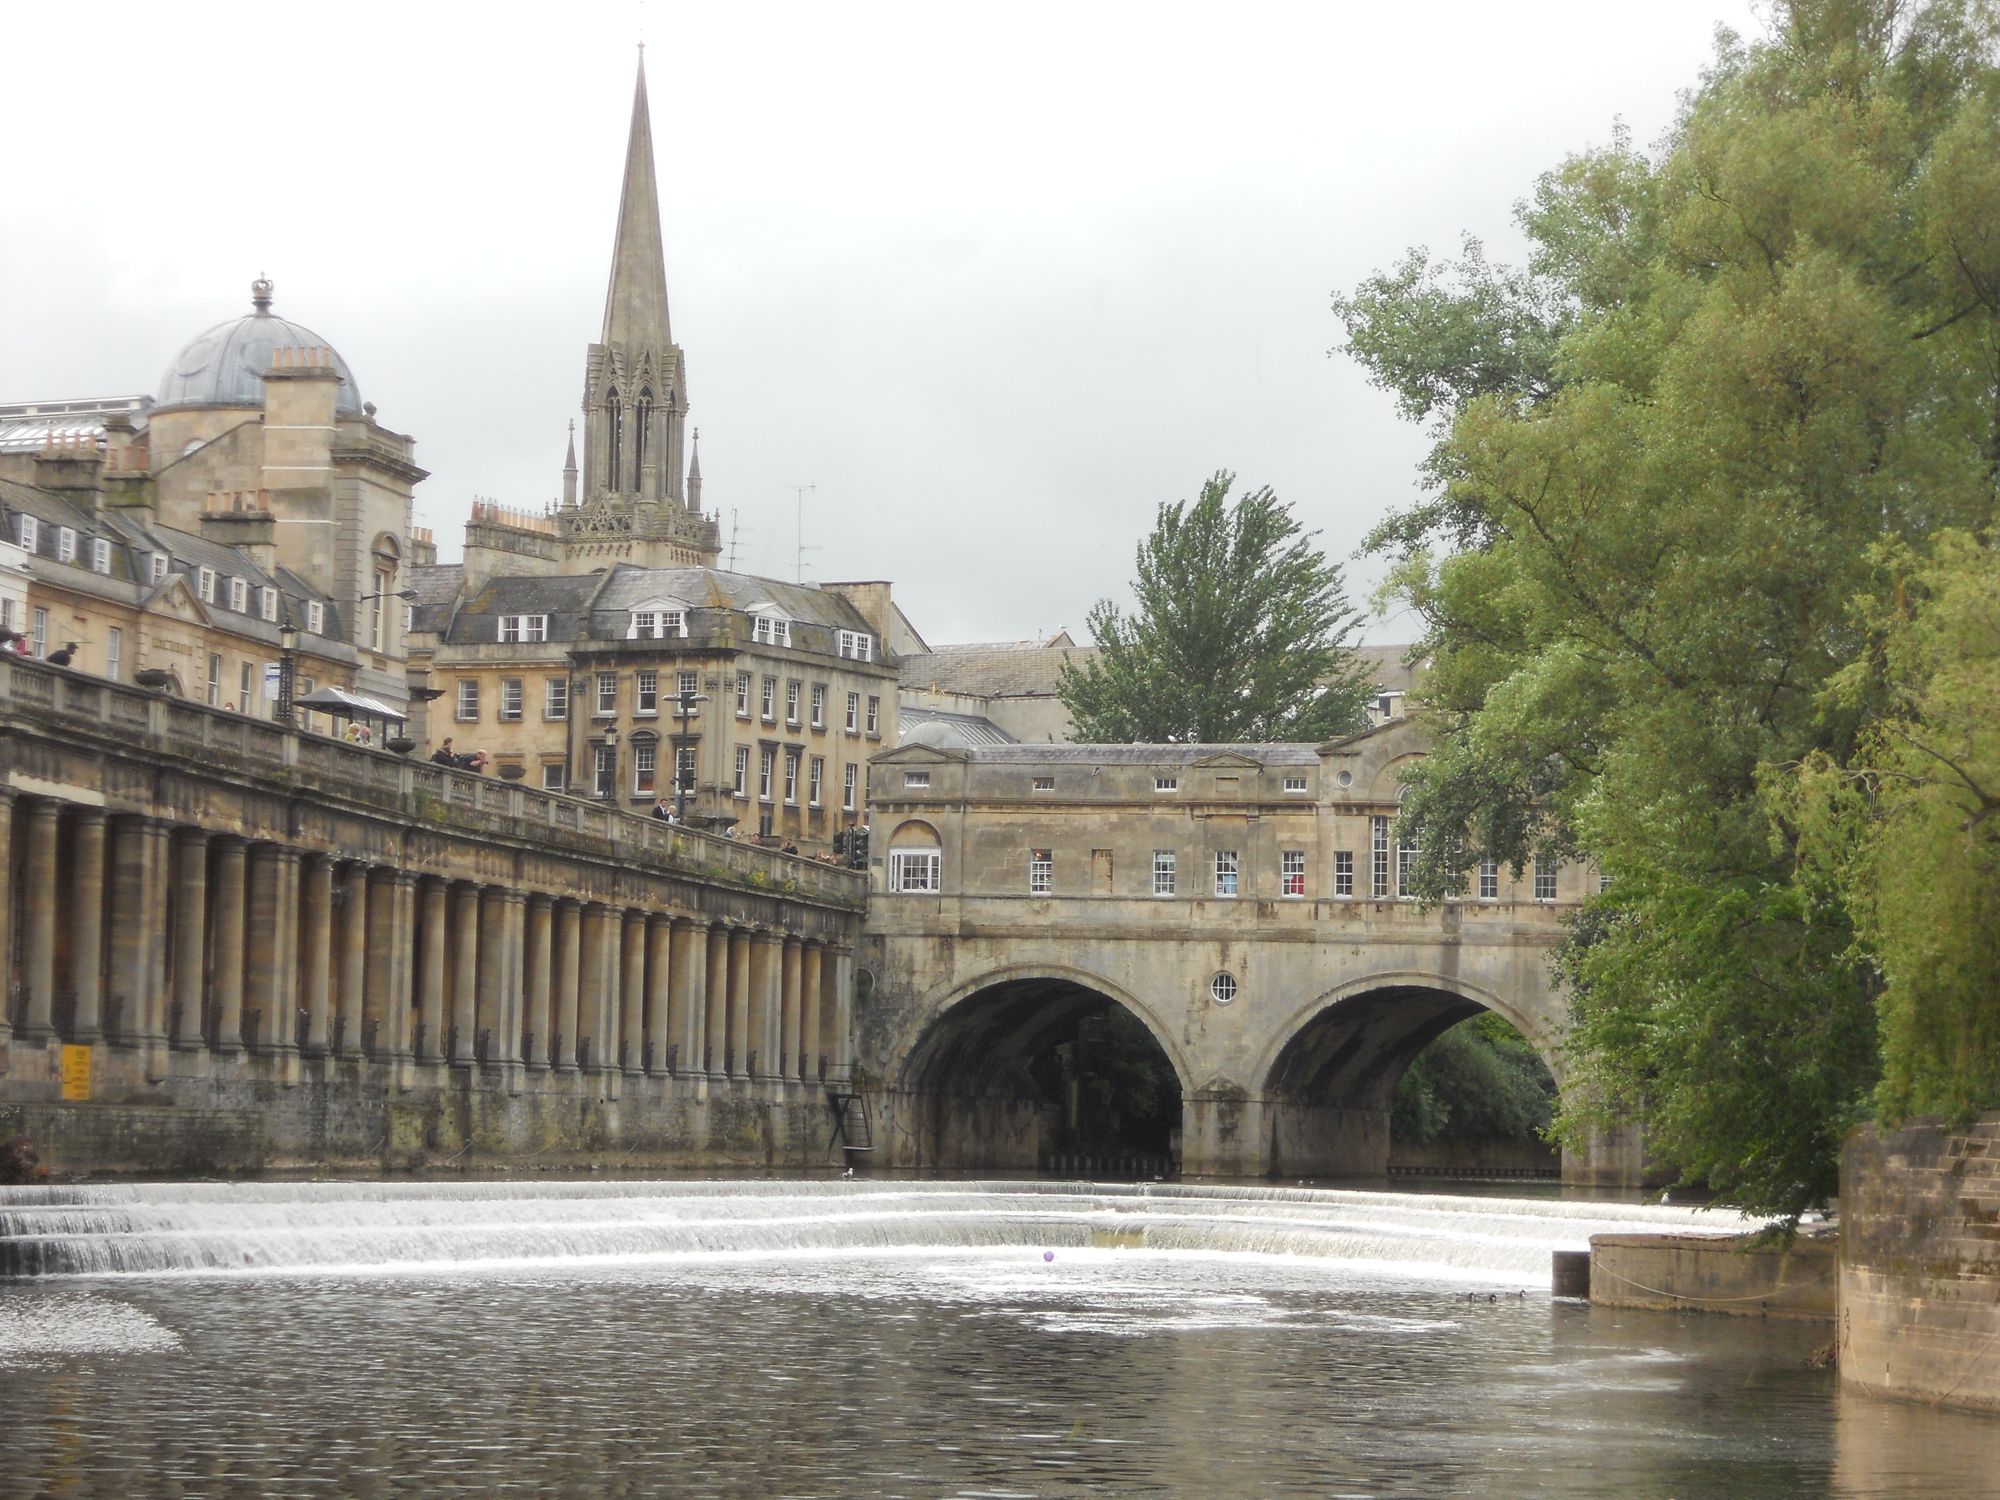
(852,1128)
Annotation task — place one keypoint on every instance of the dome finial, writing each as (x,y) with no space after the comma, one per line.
(260,293)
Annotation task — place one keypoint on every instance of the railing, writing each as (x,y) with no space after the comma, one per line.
(71,703)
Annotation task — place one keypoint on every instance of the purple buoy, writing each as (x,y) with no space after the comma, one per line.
(1048,1255)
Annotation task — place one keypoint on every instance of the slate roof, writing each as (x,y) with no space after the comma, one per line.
(928,726)
(1301,754)
(994,669)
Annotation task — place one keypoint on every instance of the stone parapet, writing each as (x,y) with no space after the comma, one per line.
(1730,1274)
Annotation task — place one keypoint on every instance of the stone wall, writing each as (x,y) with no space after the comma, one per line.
(1920,1263)
(1716,1274)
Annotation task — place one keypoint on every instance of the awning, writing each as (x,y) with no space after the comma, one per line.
(345,705)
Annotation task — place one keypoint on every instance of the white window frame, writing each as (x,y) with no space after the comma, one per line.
(919,781)
(30,533)
(1343,874)
(555,699)
(65,544)
(874,717)
(1545,878)
(1295,783)
(466,701)
(768,701)
(1166,872)
(1378,849)
(1228,874)
(645,694)
(39,634)
(791,778)
(315,617)
(1166,783)
(1406,861)
(1041,783)
(742,695)
(687,688)
(855,645)
(267,603)
(743,772)
(815,780)
(1041,872)
(916,871)
(552,777)
(239,595)
(819,705)
(770,629)
(767,770)
(513,700)
(854,713)
(205,585)
(645,767)
(520,629)
(1489,879)
(114,653)
(1292,874)
(100,555)
(606,700)
(793,689)
(214,679)
(158,572)
(657,625)
(847,788)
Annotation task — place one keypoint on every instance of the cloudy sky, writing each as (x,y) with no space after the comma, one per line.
(994,282)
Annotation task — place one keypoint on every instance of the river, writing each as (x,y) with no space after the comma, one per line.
(923,1339)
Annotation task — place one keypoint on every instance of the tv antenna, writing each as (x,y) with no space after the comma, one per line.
(734,530)
(799,490)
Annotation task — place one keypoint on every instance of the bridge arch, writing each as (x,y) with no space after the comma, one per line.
(974,1086)
(1328,1074)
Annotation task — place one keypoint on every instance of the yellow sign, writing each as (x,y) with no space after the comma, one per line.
(75,1072)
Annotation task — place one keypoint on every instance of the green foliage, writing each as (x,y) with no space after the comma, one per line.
(1666,453)
(1240,635)
(1479,1081)
(1126,1094)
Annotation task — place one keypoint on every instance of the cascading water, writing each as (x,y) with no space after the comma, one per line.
(358,1228)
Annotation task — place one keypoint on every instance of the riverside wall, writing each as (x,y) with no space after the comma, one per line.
(1732,1274)
(1920,1263)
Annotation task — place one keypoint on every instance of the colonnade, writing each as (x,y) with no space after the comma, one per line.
(134,931)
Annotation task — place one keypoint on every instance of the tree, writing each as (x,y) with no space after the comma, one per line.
(1240,634)
(1479,1081)
(1666,454)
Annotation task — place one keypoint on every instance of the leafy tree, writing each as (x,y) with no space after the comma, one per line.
(1479,1081)
(1666,452)
(1240,634)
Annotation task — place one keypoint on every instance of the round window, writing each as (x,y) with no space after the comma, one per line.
(1222,988)
(1345,778)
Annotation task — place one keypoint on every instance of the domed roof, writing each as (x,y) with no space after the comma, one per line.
(225,365)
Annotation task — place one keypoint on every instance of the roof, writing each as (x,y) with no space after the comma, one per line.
(225,365)
(28,426)
(1283,754)
(927,726)
(998,669)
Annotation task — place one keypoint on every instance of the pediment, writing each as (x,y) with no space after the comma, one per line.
(177,601)
(919,755)
(1229,760)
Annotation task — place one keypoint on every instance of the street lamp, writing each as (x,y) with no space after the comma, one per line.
(610,787)
(288,650)
(683,710)
(408,596)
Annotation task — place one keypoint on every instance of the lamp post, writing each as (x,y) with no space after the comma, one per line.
(610,789)
(683,711)
(288,650)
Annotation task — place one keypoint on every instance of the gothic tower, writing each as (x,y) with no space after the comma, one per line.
(634,504)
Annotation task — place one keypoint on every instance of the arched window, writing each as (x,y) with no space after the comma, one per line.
(642,429)
(916,859)
(614,419)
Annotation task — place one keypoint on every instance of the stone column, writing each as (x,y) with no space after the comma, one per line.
(351,961)
(566,973)
(138,936)
(190,933)
(715,1041)
(431,970)
(608,978)
(741,1043)
(659,1033)
(464,973)
(687,994)
(86,925)
(315,952)
(767,972)
(38,938)
(6,916)
(812,1018)
(843,1006)
(507,1044)
(227,967)
(632,993)
(490,1002)
(271,985)
(535,945)
(401,943)
(791,1043)
(590,1039)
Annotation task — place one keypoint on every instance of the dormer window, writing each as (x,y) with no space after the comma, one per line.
(519,628)
(100,555)
(159,573)
(65,544)
(239,596)
(267,603)
(770,628)
(656,624)
(857,645)
(205,585)
(30,532)
(315,617)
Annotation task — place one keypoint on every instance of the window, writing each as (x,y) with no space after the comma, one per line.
(1489,880)
(684,768)
(214,679)
(243,687)
(743,770)
(1545,878)
(819,705)
(1295,783)
(114,653)
(769,702)
(856,645)
(916,870)
(555,698)
(607,694)
(1226,867)
(315,617)
(687,687)
(65,544)
(606,766)
(644,759)
(159,568)
(767,761)
(1164,861)
(205,585)
(468,699)
(1379,871)
(267,603)
(40,634)
(552,776)
(917,780)
(656,624)
(646,693)
(100,555)
(1292,872)
(874,714)
(847,790)
(1043,784)
(1041,872)
(1406,861)
(742,695)
(792,776)
(792,702)
(30,532)
(512,699)
(771,630)
(239,595)
(378,618)
(1343,873)
(1222,988)
(1166,783)
(853,713)
(512,627)
(815,779)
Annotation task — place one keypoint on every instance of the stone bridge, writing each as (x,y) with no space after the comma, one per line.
(1244,903)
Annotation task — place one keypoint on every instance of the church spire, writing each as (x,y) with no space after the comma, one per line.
(569,467)
(694,475)
(635,303)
